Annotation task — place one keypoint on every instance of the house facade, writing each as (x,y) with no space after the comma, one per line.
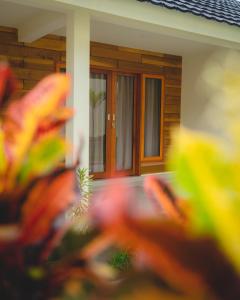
(135,68)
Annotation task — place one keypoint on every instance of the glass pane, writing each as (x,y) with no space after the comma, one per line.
(152,117)
(124,122)
(97,138)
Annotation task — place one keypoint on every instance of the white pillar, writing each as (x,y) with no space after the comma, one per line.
(78,66)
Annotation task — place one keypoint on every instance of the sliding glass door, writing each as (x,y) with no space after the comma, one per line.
(98,123)
(112,123)
(125,100)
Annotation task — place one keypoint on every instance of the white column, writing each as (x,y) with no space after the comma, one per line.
(78,66)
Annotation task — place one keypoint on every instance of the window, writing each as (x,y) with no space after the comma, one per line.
(152,118)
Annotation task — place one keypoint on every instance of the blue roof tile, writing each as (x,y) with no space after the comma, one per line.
(227,11)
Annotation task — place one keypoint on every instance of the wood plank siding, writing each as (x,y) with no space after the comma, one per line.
(32,62)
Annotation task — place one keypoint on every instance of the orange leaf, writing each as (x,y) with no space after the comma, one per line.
(192,265)
(55,122)
(23,118)
(48,198)
(163,198)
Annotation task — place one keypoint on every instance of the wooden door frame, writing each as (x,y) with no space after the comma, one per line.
(110,168)
(132,171)
(142,127)
(107,172)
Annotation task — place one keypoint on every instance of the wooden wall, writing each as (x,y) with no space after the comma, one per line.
(140,61)
(32,62)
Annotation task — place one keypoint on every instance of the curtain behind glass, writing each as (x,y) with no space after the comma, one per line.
(97,130)
(124,122)
(152,117)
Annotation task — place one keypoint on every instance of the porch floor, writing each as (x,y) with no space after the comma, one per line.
(143,204)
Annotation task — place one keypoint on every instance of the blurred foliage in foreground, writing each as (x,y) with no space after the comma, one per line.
(208,167)
(187,249)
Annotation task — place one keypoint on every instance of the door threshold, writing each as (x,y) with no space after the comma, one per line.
(131,180)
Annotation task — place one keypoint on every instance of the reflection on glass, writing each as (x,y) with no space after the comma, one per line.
(124,122)
(152,117)
(97,135)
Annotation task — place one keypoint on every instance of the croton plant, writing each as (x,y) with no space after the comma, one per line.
(187,249)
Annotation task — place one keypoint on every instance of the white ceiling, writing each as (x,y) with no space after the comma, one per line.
(133,38)
(130,37)
(14,14)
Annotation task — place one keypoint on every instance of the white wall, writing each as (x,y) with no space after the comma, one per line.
(196,95)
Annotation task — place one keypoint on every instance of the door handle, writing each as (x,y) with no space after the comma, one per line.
(113,121)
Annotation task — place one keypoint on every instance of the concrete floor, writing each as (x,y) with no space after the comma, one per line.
(141,202)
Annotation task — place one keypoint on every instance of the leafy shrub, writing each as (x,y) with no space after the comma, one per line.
(121,260)
(192,252)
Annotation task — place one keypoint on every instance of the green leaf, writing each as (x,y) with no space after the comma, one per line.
(207,174)
(43,157)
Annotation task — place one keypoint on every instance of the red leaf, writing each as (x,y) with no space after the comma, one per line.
(55,122)
(46,201)
(192,265)
(7,84)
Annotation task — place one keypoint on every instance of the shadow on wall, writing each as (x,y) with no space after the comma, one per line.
(196,94)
